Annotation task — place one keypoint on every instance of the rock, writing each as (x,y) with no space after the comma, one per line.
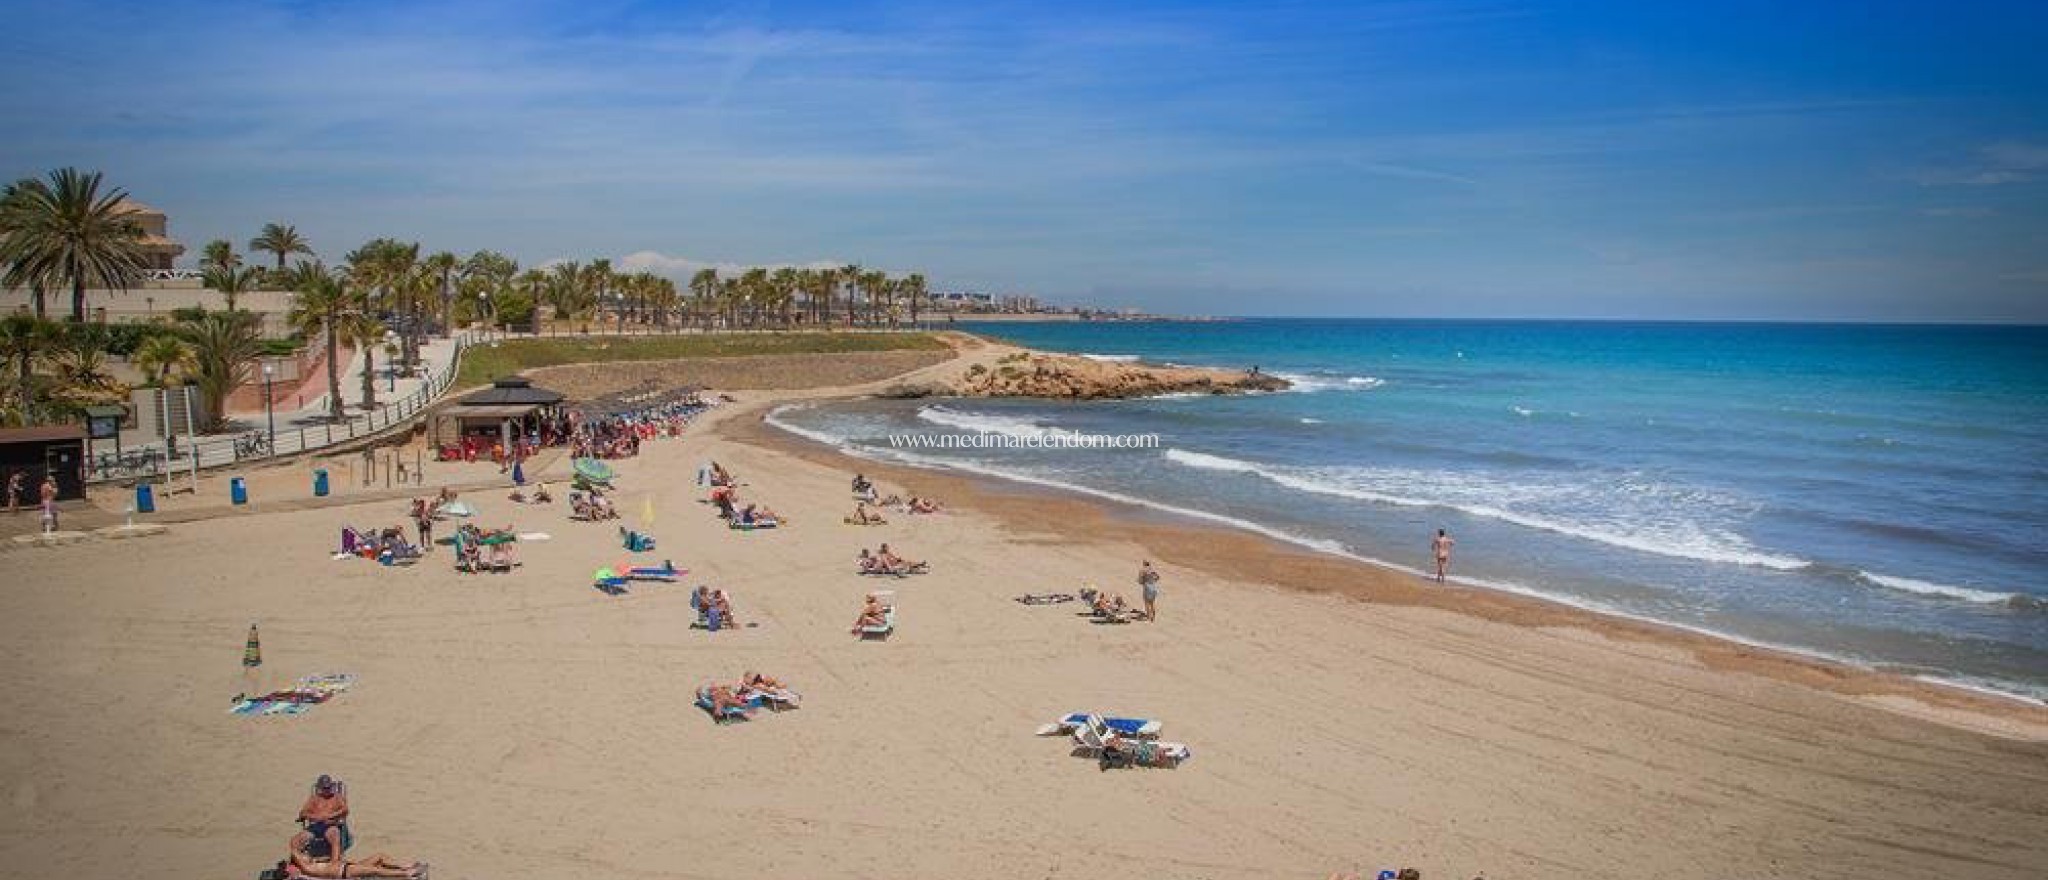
(1077,378)
(913,391)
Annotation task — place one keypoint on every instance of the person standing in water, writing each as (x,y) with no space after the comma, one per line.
(1441,545)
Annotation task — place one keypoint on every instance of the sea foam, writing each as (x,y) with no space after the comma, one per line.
(1636,505)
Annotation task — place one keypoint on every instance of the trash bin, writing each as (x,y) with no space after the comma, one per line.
(320,482)
(238,492)
(145,498)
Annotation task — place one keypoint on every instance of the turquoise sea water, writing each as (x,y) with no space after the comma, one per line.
(1872,493)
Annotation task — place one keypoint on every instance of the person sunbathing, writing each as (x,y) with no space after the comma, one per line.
(897,564)
(541,496)
(759,682)
(1108,604)
(1116,746)
(723,604)
(723,699)
(862,516)
(922,505)
(861,486)
(379,865)
(872,614)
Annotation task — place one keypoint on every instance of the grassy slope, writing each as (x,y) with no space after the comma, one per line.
(482,363)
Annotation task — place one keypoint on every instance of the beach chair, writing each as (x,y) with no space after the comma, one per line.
(887,627)
(634,541)
(1091,741)
(667,572)
(781,700)
(1138,727)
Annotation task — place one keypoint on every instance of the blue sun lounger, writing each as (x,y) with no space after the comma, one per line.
(1141,727)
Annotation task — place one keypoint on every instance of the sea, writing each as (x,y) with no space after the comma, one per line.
(1873,494)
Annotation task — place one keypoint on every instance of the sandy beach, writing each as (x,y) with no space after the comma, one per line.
(1342,718)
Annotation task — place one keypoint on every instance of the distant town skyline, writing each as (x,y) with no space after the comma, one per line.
(1863,162)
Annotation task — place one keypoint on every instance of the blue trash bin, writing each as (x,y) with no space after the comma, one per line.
(145,498)
(238,492)
(320,483)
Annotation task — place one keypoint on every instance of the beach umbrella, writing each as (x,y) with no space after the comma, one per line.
(252,651)
(458,508)
(593,470)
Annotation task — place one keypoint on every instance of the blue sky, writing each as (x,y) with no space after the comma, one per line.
(1866,161)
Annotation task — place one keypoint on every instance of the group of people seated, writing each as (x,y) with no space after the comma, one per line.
(874,613)
(865,494)
(387,545)
(593,506)
(885,561)
(714,608)
(1109,606)
(481,549)
(320,848)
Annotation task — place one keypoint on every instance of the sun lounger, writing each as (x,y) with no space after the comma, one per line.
(753,526)
(1090,742)
(1045,598)
(1141,727)
(780,700)
(667,572)
(883,631)
(634,541)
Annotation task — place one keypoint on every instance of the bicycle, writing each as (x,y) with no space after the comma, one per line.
(251,445)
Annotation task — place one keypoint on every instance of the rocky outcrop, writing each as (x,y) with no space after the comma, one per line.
(1065,376)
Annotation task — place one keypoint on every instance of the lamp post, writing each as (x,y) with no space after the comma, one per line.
(483,308)
(390,364)
(269,417)
(619,309)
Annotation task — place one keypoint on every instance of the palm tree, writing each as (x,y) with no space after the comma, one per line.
(219,254)
(21,270)
(160,354)
(25,339)
(320,307)
(874,286)
(224,347)
(81,359)
(281,240)
(596,282)
(704,289)
(64,231)
(914,287)
(231,280)
(362,331)
(442,266)
(850,276)
(534,285)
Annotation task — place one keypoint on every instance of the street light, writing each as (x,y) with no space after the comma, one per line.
(483,305)
(269,417)
(391,366)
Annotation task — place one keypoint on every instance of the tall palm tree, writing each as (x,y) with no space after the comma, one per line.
(597,282)
(219,254)
(874,287)
(231,280)
(850,275)
(24,340)
(224,347)
(443,266)
(282,241)
(914,287)
(21,269)
(534,285)
(320,307)
(160,354)
(363,332)
(63,231)
(704,290)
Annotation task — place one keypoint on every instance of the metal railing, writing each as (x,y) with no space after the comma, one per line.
(214,451)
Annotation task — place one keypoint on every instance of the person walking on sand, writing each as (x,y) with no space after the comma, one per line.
(1148,582)
(49,504)
(1441,546)
(17,483)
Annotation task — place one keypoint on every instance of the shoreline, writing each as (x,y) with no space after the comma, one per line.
(1254,556)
